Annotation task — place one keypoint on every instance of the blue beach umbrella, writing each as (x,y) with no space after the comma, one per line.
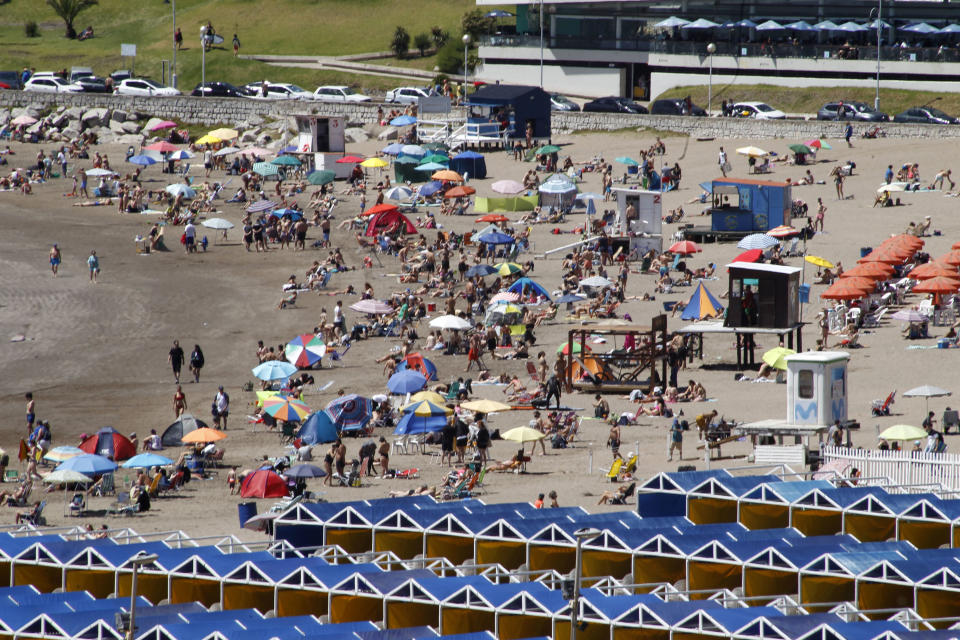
(392,149)
(411,424)
(350,412)
(274,370)
(495,237)
(403,121)
(318,428)
(431,188)
(88,464)
(480,270)
(406,381)
(522,285)
(142,160)
(146,460)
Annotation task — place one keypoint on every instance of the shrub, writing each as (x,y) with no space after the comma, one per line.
(401,42)
(422,42)
(450,58)
(31,29)
(440,37)
(476,23)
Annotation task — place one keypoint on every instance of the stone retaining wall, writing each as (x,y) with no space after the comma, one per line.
(211,111)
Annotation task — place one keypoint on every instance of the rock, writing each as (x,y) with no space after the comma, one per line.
(35,127)
(25,111)
(254,120)
(74,113)
(130,127)
(249,135)
(390,133)
(116,127)
(150,123)
(119,115)
(264,139)
(59,120)
(128,139)
(356,135)
(76,125)
(96,117)
(70,132)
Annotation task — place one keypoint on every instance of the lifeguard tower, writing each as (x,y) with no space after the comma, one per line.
(322,140)
(640,229)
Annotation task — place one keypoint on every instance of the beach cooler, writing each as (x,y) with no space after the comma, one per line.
(245,511)
(143,245)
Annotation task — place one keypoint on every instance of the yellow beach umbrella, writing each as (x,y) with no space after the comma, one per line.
(224,133)
(486,406)
(753,152)
(374,163)
(429,396)
(523,434)
(820,262)
(427,408)
(903,432)
(208,139)
(776,357)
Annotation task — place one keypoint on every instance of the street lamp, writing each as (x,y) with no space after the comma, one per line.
(541,44)
(711,49)
(136,562)
(582,535)
(466,47)
(203,59)
(173,67)
(879,25)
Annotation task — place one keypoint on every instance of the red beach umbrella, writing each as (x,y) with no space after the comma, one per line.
(263,483)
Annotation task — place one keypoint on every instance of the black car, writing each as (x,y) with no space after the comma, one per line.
(675,107)
(925,115)
(851,111)
(10,80)
(217,90)
(614,104)
(93,84)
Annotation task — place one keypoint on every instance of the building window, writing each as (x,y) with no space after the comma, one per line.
(805,384)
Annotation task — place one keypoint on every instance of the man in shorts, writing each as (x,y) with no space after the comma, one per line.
(93,263)
(31,411)
(190,237)
(222,404)
(55,259)
(175,358)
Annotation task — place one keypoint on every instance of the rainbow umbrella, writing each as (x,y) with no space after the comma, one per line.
(59,454)
(289,409)
(350,412)
(305,350)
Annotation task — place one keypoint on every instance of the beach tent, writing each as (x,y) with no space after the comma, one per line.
(469,163)
(109,443)
(405,170)
(768,505)
(417,362)
(702,305)
(173,434)
(523,285)
(263,483)
(387,221)
(318,428)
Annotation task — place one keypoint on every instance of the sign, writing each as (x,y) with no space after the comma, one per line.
(128,50)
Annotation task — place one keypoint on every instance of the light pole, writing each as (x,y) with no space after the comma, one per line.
(466,48)
(879,25)
(582,535)
(136,562)
(173,66)
(711,49)
(203,59)
(541,44)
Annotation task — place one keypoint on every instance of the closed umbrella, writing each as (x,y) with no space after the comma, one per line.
(757,241)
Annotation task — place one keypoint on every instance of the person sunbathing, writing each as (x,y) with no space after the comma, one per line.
(422,490)
(512,464)
(620,494)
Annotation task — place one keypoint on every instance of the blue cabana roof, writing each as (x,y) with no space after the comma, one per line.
(56,549)
(852,564)
(406,633)
(732,487)
(796,626)
(12,547)
(386,581)
(857,630)
(727,620)
(118,555)
(680,481)
(674,612)
(171,558)
(440,588)
(785,492)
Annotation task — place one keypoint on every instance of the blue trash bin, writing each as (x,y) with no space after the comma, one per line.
(246,510)
(804,293)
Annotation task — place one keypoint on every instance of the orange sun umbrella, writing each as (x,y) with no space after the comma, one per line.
(903,238)
(448,175)
(878,270)
(860,282)
(203,434)
(460,192)
(933,270)
(840,290)
(951,258)
(889,256)
(955,245)
(938,284)
(493,217)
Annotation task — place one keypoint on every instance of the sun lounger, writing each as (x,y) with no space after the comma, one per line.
(34,516)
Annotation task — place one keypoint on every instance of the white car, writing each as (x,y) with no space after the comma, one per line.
(338,93)
(408,95)
(51,84)
(144,87)
(758,110)
(276,91)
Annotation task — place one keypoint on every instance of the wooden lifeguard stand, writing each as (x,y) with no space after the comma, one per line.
(618,370)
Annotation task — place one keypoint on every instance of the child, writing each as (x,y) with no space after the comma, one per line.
(232,480)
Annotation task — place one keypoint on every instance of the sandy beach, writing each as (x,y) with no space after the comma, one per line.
(96,354)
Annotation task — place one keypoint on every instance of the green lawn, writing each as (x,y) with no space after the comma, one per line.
(280,27)
(810,99)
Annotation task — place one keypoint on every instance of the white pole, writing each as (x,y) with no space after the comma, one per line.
(711,49)
(173,66)
(203,58)
(541,44)
(876,100)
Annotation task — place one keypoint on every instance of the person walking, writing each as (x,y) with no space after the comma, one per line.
(175,358)
(55,258)
(676,439)
(553,390)
(221,403)
(821,212)
(236,46)
(483,441)
(179,402)
(848,133)
(196,362)
(614,441)
(722,161)
(93,263)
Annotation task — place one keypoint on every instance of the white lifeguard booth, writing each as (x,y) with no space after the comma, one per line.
(322,139)
(645,228)
(817,388)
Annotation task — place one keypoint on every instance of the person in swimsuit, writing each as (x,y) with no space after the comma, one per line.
(55,258)
(31,411)
(179,402)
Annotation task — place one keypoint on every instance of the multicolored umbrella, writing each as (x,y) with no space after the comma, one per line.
(59,454)
(578,347)
(350,412)
(702,305)
(265,169)
(757,241)
(261,205)
(505,296)
(508,268)
(783,231)
(305,350)
(286,408)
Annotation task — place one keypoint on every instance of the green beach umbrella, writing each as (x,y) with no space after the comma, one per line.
(800,148)
(547,148)
(321,177)
(286,161)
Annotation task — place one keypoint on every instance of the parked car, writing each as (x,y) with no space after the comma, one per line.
(562,103)
(80,72)
(276,91)
(842,110)
(120,75)
(218,90)
(675,107)
(925,115)
(758,110)
(51,84)
(614,104)
(10,80)
(93,84)
(407,95)
(144,87)
(335,93)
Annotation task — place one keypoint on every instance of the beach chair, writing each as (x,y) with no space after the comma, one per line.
(872,320)
(631,489)
(453,392)
(107,486)
(34,516)
(882,407)
(792,250)
(399,445)
(153,490)
(122,505)
(951,418)
(77,505)
(614,471)
(337,356)
(629,468)
(11,475)
(288,433)
(407,474)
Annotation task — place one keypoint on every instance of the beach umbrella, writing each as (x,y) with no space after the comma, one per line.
(909,315)
(65,476)
(180,188)
(508,268)
(556,186)
(403,121)
(146,460)
(317,428)
(410,424)
(926,392)
(498,13)
(578,347)
(523,434)
(777,357)
(399,193)
(165,124)
(142,160)
(888,256)
(109,443)
(770,25)
(285,161)
(480,270)
(700,23)
(349,159)
(877,270)
(839,290)
(800,148)
(350,411)
(684,247)
(800,25)
(266,169)
(179,154)
(431,166)
(88,464)
(757,241)
(226,151)
(203,435)
(371,307)
(406,381)
(818,261)
(425,408)
(305,350)
(504,314)
(208,139)
(392,149)
(951,258)
(374,163)
(318,178)
(932,270)
(451,322)
(460,191)
(523,285)
(596,282)
(256,151)
(156,155)
(493,217)
(861,282)
(413,150)
(937,285)
(505,296)
(950,29)
(286,408)
(263,483)
(417,362)
(274,370)
(852,27)
(447,175)
(439,158)
(163,147)
(921,27)
(217,223)
(546,149)
(826,25)
(753,152)
(818,144)
(750,255)
(903,432)
(630,162)
(507,186)
(893,187)
(485,406)
(702,305)
(569,298)
(59,454)
(380,208)
(431,188)
(426,394)
(495,237)
(783,231)
(261,205)
(304,471)
(671,22)
(97,173)
(224,133)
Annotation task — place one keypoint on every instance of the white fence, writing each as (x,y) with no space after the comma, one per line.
(900,467)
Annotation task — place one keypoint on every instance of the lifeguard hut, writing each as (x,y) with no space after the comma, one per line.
(641,228)
(743,206)
(322,139)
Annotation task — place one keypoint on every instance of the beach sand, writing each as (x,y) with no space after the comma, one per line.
(96,355)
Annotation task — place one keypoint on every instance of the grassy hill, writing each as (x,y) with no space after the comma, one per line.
(280,27)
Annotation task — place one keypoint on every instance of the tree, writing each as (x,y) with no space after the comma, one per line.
(68,10)
(477,24)
(440,36)
(401,42)
(422,42)
(450,58)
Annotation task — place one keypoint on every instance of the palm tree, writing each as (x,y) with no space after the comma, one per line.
(68,10)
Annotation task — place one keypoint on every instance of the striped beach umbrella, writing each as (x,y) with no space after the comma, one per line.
(305,350)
